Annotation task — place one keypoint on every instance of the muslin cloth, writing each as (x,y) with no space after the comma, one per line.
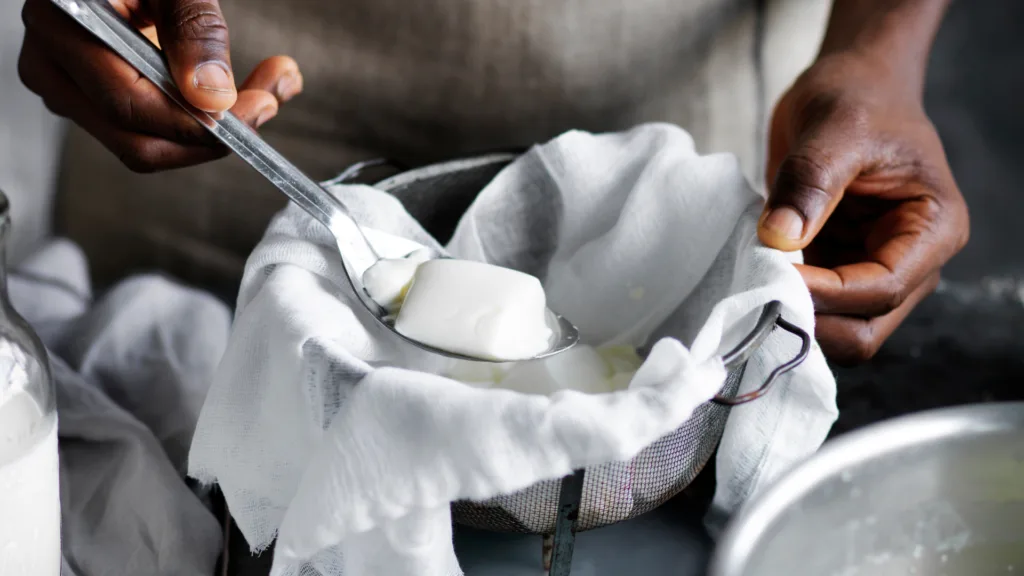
(343,442)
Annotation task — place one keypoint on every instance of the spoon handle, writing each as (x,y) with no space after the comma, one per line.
(105,24)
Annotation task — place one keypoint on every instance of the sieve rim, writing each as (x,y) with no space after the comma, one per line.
(734,359)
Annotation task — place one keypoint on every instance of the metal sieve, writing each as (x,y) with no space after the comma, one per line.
(437,196)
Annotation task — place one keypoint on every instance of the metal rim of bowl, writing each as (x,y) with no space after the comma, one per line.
(754,520)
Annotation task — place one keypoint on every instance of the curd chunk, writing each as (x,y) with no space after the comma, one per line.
(475,309)
(388,280)
(581,368)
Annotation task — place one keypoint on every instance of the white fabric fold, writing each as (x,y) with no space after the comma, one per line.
(347,445)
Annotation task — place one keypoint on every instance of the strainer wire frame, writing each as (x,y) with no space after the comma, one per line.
(571,494)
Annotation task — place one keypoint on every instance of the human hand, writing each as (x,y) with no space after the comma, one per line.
(859,180)
(81,79)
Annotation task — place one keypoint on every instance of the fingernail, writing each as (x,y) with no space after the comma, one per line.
(785,222)
(265,115)
(213,77)
(288,86)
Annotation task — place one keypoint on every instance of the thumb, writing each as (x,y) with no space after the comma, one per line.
(194,35)
(808,185)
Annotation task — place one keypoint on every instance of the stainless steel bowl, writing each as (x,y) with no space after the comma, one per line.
(938,493)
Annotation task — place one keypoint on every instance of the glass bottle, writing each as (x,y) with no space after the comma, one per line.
(29,471)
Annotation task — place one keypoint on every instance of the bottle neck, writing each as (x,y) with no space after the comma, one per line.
(5,227)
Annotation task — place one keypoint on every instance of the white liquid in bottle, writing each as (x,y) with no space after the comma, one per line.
(29,489)
(29,469)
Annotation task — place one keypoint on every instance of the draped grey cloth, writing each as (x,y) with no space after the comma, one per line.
(131,372)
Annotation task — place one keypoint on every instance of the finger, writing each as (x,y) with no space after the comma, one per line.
(809,183)
(278,75)
(119,92)
(255,107)
(273,81)
(194,35)
(777,142)
(138,14)
(135,11)
(902,253)
(44,78)
(150,33)
(849,340)
(140,153)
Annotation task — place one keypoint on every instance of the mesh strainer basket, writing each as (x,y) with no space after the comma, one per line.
(437,196)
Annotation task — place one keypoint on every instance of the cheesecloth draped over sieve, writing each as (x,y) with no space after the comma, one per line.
(346,444)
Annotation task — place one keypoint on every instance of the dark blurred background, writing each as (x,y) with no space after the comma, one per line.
(965,343)
(975,95)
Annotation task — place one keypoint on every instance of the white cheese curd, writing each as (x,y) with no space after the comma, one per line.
(479,374)
(476,309)
(581,368)
(621,359)
(388,279)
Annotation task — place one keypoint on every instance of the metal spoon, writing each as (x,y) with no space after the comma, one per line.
(358,255)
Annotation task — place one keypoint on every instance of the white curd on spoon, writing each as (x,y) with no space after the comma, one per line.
(476,309)
(465,307)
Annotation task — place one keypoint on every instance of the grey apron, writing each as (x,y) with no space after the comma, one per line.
(435,79)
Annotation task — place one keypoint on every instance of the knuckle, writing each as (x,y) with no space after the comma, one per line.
(25,73)
(806,169)
(818,105)
(946,222)
(958,214)
(862,344)
(200,20)
(30,13)
(55,108)
(850,344)
(126,103)
(120,105)
(856,117)
(139,157)
(805,180)
(824,104)
(949,222)
(188,134)
(135,163)
(136,107)
(963,238)
(963,227)
(894,294)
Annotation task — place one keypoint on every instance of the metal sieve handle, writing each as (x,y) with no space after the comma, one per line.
(737,358)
